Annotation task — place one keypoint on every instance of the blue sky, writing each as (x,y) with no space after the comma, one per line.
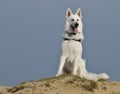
(31,36)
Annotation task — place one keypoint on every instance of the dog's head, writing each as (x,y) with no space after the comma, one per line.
(73,22)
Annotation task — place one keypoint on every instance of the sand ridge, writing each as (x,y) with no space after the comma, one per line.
(66,84)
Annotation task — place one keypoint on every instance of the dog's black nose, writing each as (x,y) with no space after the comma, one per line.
(76,25)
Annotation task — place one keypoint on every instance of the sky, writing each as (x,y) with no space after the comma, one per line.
(31,36)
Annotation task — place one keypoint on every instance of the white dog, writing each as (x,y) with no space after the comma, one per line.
(71,61)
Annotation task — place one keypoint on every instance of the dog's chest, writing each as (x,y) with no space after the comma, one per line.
(72,49)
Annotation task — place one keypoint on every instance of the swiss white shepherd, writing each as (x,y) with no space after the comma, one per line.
(71,61)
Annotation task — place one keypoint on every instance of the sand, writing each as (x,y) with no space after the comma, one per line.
(66,84)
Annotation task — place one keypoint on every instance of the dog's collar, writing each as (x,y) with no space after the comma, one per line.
(66,39)
(70,33)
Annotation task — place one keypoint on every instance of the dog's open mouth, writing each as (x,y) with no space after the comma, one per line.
(75,30)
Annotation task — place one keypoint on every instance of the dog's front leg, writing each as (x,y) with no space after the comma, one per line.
(75,67)
(83,70)
(62,62)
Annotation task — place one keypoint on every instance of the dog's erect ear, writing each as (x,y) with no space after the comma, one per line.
(68,12)
(78,12)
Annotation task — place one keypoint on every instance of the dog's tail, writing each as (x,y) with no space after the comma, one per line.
(96,77)
(91,76)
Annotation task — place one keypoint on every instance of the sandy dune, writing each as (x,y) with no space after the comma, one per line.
(66,84)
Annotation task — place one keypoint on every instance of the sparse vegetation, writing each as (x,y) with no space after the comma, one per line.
(91,86)
(16,88)
(47,84)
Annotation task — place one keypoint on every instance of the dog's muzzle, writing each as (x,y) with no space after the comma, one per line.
(76,25)
(75,28)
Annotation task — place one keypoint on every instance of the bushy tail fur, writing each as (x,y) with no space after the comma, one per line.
(90,76)
(96,77)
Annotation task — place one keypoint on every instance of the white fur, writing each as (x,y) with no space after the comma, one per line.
(71,59)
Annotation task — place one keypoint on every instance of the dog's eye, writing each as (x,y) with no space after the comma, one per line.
(77,19)
(72,20)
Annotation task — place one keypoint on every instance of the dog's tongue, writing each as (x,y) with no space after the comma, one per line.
(75,30)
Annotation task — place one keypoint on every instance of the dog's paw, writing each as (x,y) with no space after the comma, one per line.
(58,74)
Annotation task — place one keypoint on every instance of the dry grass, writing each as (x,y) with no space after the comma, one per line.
(91,86)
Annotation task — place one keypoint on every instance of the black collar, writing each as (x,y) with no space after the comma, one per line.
(66,39)
(70,33)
